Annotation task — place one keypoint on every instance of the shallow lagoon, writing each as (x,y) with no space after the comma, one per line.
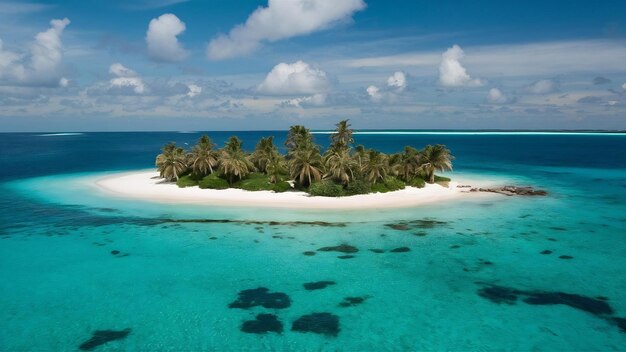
(171,282)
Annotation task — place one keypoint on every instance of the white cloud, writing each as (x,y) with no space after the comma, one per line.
(374,93)
(296,78)
(40,67)
(540,59)
(495,96)
(63,82)
(452,73)
(543,86)
(624,86)
(126,78)
(12,8)
(193,90)
(162,40)
(397,81)
(281,19)
(313,100)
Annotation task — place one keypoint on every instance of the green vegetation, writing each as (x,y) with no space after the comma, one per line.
(338,171)
(213,181)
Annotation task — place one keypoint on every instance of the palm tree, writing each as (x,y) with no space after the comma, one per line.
(233,162)
(264,152)
(340,166)
(305,165)
(405,164)
(171,163)
(434,158)
(342,138)
(376,166)
(298,137)
(203,158)
(275,168)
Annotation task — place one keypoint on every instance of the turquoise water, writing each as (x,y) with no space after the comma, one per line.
(178,269)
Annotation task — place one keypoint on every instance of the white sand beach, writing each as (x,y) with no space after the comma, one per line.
(146,185)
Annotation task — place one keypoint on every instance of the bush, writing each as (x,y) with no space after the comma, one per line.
(393,184)
(187,181)
(255,181)
(417,182)
(358,187)
(282,186)
(442,179)
(213,182)
(326,189)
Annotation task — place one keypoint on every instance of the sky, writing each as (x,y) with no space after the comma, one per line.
(189,65)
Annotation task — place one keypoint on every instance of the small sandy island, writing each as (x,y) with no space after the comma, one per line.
(146,185)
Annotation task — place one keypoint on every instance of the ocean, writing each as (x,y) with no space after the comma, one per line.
(84,270)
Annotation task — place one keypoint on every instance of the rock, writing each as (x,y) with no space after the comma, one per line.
(310,286)
(309,253)
(566,257)
(512,190)
(547,251)
(343,248)
(115,252)
(463,186)
(400,250)
(100,337)
(263,323)
(345,256)
(319,323)
(376,250)
(261,297)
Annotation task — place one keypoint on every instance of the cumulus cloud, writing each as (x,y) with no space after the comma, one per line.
(452,73)
(374,93)
(162,40)
(313,100)
(63,82)
(543,86)
(281,19)
(397,81)
(601,80)
(495,96)
(624,86)
(193,90)
(125,79)
(41,65)
(295,78)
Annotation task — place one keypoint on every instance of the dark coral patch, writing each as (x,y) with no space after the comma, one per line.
(400,250)
(319,323)
(566,257)
(558,228)
(352,301)
(376,250)
(621,323)
(263,323)
(587,304)
(454,246)
(547,251)
(421,233)
(345,256)
(100,337)
(399,226)
(115,252)
(309,253)
(499,294)
(261,297)
(310,286)
(343,248)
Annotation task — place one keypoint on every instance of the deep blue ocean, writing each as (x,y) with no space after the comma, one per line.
(80,268)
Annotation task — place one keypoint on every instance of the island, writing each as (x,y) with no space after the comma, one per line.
(340,170)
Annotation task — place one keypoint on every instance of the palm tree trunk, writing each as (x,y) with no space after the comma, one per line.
(432,177)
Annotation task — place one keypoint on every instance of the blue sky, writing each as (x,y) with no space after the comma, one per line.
(94,65)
